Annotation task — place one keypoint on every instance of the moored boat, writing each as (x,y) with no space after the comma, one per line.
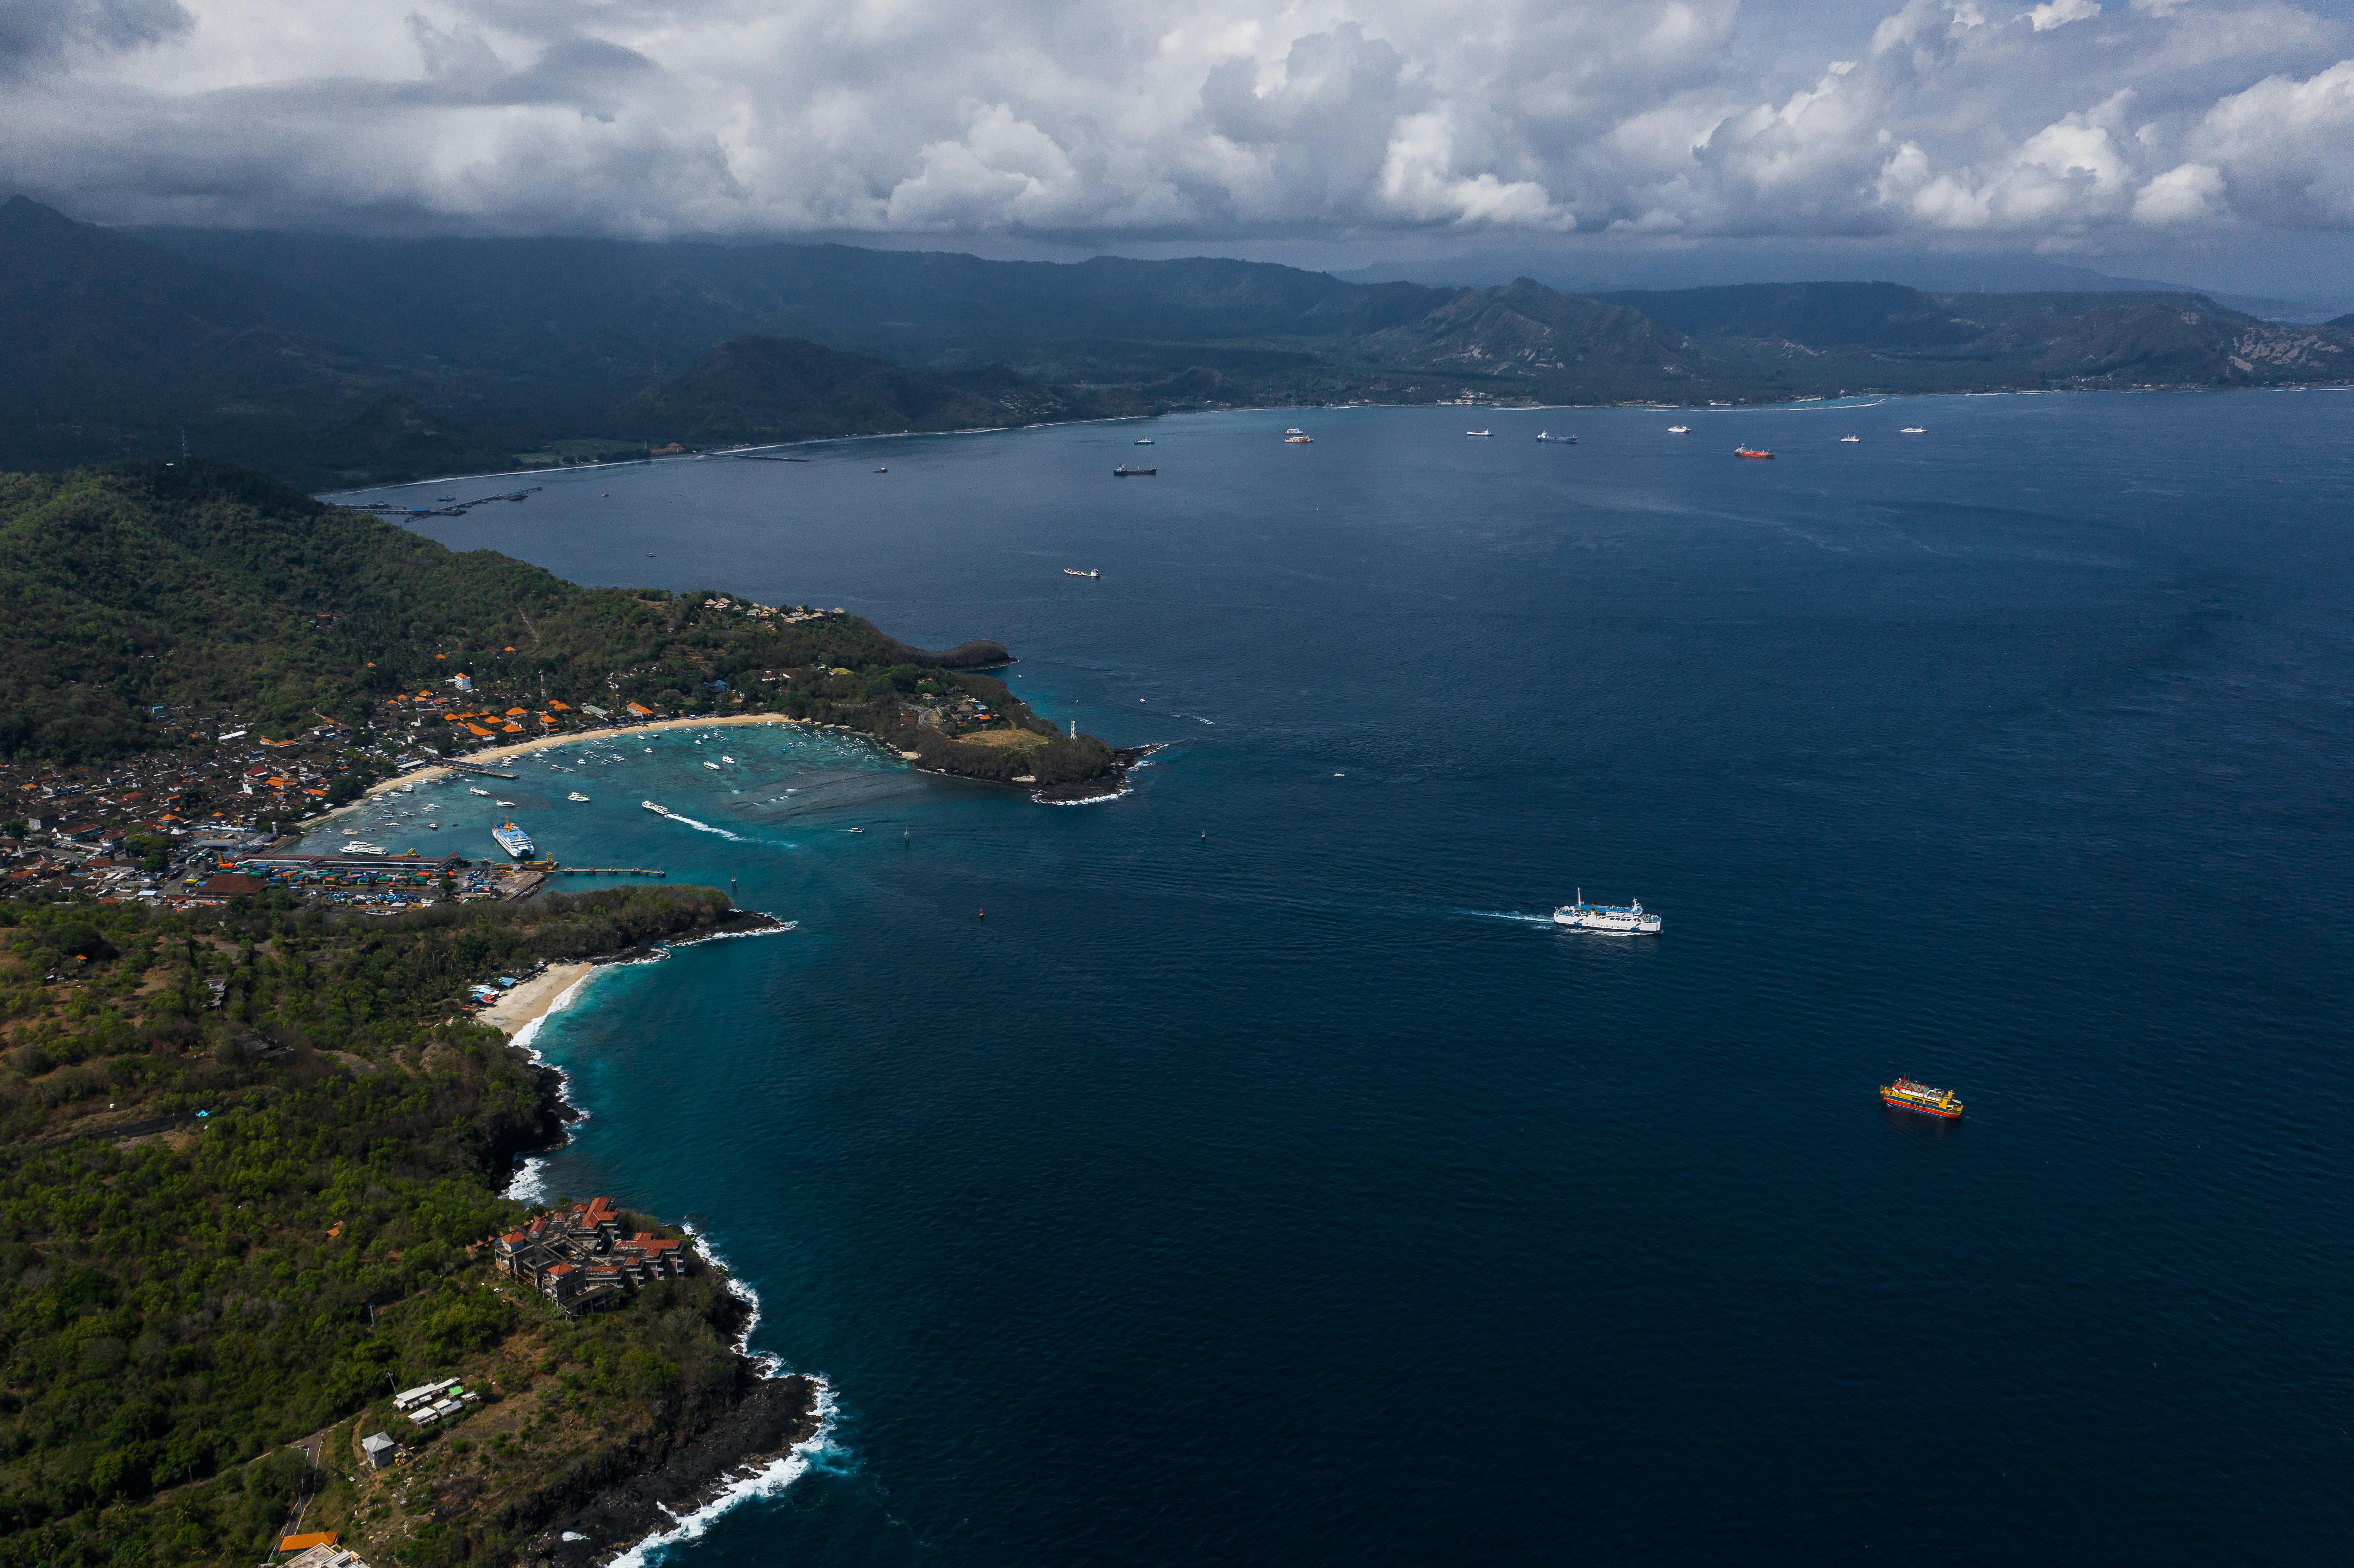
(1680,429)
(576,795)
(1620,919)
(1851,440)
(512,839)
(1906,1094)
(1912,430)
(1296,439)
(1075,572)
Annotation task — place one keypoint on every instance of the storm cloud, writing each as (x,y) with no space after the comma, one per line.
(2050,123)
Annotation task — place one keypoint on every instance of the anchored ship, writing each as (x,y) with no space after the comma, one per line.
(1626,920)
(512,839)
(1750,453)
(1906,1094)
(1548,436)
(1075,572)
(1124,471)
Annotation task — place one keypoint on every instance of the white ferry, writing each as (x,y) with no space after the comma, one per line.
(657,811)
(1851,440)
(1629,920)
(512,839)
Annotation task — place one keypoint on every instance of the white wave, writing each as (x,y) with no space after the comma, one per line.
(769,1480)
(770,1365)
(778,929)
(1512,914)
(1090,800)
(1202,720)
(529,1184)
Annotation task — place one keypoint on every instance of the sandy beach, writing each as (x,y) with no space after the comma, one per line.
(532,999)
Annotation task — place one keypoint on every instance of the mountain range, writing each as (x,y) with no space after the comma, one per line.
(333,361)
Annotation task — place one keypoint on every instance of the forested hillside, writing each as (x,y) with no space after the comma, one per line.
(199,587)
(190,1293)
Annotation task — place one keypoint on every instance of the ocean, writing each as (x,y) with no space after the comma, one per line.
(1264,1179)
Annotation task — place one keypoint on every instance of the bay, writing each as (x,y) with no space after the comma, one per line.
(1265,1179)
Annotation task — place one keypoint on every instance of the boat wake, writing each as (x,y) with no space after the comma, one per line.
(701,827)
(766,1481)
(1512,916)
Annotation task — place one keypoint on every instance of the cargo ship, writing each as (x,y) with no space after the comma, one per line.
(1124,471)
(1750,453)
(1906,1094)
(512,839)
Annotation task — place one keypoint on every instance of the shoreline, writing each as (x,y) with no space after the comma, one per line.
(516,1014)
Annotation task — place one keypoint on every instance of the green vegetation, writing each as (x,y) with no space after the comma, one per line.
(186,1295)
(214,592)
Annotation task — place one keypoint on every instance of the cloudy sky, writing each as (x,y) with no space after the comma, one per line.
(2080,128)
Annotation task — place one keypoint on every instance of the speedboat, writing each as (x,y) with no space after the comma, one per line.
(729,760)
(1479,432)
(1912,430)
(1680,429)
(712,766)
(1145,442)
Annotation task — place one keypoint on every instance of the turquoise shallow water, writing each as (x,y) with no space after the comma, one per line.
(1293,1195)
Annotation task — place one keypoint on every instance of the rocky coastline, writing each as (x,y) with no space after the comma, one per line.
(592,1518)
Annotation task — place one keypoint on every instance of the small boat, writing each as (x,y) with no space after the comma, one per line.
(1906,1094)
(1680,429)
(857,829)
(1296,439)
(1075,572)
(1851,440)
(657,811)
(1912,430)
(1145,442)
(712,766)
(1485,433)
(1295,430)
(1750,453)
(882,471)
(1124,471)
(484,793)
(507,803)
(729,760)
(1626,920)
(512,839)
(1548,436)
(576,795)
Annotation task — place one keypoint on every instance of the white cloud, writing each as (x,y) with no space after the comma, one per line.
(1234,118)
(2060,13)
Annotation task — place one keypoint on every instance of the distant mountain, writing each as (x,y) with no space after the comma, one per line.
(752,389)
(1526,326)
(335,362)
(2135,338)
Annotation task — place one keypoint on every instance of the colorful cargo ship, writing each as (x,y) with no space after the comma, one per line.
(1906,1094)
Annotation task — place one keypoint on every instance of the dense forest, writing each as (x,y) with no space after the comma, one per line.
(212,593)
(229,1225)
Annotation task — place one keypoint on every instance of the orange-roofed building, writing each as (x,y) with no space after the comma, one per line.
(511,728)
(561,707)
(641,710)
(304,1542)
(514,713)
(478,729)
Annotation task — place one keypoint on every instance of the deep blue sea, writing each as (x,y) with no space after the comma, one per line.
(1265,1180)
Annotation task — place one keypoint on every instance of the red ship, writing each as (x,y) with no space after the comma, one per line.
(1750,451)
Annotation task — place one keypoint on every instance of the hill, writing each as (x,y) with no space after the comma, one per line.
(334,362)
(783,389)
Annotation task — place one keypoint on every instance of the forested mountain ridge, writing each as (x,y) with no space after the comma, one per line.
(335,362)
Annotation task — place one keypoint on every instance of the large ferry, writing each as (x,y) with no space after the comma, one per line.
(1626,920)
(512,839)
(1906,1094)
